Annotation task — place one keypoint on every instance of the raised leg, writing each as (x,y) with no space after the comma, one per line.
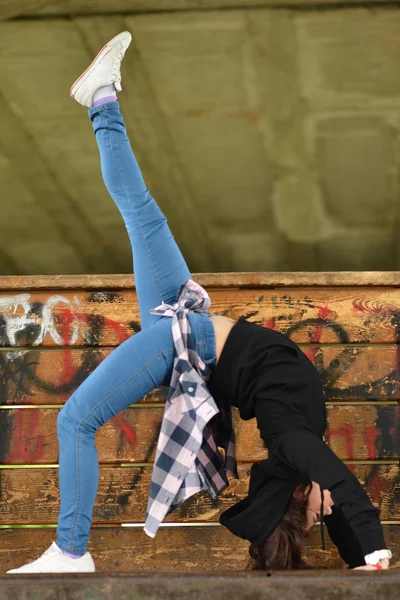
(159,266)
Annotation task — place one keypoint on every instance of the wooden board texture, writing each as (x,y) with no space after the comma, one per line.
(355,432)
(31,495)
(237,279)
(186,548)
(106,318)
(50,376)
(54,336)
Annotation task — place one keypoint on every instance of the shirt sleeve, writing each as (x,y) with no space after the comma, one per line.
(307,453)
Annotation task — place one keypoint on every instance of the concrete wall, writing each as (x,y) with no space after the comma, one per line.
(269,137)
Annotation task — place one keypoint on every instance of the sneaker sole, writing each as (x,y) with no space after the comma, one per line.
(103,52)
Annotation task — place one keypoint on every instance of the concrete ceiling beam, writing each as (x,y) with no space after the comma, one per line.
(16,8)
(45,8)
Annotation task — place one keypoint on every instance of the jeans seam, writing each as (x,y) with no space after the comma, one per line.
(82,422)
(128,196)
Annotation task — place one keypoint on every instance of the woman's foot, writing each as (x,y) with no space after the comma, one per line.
(104,70)
(55,561)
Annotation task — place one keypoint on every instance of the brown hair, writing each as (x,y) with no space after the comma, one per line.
(284,547)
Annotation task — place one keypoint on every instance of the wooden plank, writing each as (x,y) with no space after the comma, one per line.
(237,279)
(358,432)
(70,319)
(106,318)
(30,436)
(31,495)
(49,376)
(363,432)
(123,550)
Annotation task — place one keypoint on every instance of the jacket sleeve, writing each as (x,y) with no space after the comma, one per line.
(307,453)
(344,538)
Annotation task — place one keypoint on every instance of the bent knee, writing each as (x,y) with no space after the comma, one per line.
(70,418)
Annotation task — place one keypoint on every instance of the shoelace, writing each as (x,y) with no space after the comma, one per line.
(117,64)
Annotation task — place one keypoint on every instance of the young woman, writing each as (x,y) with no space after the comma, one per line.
(258,370)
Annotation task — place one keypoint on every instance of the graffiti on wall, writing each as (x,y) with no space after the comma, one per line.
(60,321)
(32,324)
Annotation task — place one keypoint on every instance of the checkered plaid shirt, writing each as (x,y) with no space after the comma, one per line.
(187,458)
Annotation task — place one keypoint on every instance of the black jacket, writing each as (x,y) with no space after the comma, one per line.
(267,376)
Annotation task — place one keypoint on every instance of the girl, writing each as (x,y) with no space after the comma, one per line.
(260,371)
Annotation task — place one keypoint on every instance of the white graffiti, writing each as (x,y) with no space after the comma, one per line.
(11,308)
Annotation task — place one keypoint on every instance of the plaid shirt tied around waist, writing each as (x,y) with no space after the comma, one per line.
(193,426)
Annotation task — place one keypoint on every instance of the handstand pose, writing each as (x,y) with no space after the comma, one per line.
(258,370)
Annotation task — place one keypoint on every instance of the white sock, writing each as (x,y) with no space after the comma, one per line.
(104,92)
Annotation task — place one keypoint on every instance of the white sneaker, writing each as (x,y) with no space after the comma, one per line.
(55,561)
(104,70)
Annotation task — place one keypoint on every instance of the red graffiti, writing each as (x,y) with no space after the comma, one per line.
(68,319)
(317,331)
(311,353)
(28,446)
(378,487)
(347,432)
(25,447)
(121,331)
(324,312)
(371,433)
(270,323)
(374,311)
(128,432)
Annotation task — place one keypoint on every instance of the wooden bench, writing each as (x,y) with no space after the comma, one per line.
(55,330)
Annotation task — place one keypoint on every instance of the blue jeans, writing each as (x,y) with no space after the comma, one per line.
(144,361)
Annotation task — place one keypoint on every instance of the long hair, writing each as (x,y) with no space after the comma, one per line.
(283,549)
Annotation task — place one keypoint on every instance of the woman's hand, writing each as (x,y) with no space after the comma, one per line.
(384,562)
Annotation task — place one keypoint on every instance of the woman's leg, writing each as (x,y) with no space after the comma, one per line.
(136,367)
(159,266)
(140,364)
